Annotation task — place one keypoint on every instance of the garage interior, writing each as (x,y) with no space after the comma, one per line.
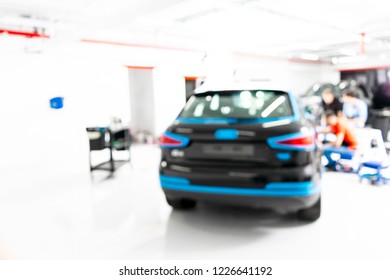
(71,65)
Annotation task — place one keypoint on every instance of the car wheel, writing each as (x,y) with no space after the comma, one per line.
(312,213)
(181,204)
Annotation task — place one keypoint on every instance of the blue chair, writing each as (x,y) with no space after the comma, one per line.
(373,171)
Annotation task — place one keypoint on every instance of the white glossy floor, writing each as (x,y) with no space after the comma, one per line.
(126,217)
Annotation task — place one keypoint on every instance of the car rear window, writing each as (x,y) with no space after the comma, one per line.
(238,104)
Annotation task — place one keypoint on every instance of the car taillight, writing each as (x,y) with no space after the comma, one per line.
(165,140)
(172,140)
(308,140)
(295,141)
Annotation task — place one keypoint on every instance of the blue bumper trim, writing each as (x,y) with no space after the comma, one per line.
(283,156)
(279,189)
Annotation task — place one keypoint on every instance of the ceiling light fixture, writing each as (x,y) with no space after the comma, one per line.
(313,46)
(351,59)
(155,21)
(349,52)
(309,56)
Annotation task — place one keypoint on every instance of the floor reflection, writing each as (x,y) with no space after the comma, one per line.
(217,228)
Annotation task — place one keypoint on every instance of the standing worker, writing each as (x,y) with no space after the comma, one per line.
(330,102)
(354,109)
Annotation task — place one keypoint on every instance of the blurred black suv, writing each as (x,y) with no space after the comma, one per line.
(247,147)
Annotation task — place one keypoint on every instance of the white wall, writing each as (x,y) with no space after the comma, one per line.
(53,143)
(142,100)
(170,97)
(374,60)
(297,77)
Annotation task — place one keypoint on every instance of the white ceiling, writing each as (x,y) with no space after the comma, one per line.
(327,29)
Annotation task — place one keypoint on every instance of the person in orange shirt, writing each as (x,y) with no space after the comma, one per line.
(346,142)
(344,134)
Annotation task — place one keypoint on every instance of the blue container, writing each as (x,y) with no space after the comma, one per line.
(57,102)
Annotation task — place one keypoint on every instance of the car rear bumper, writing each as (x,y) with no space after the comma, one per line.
(282,196)
(238,175)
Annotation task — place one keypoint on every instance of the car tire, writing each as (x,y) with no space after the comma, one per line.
(181,204)
(312,213)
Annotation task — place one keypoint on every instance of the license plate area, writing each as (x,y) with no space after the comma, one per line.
(228,150)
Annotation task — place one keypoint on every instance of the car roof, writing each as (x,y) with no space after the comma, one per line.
(239,86)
